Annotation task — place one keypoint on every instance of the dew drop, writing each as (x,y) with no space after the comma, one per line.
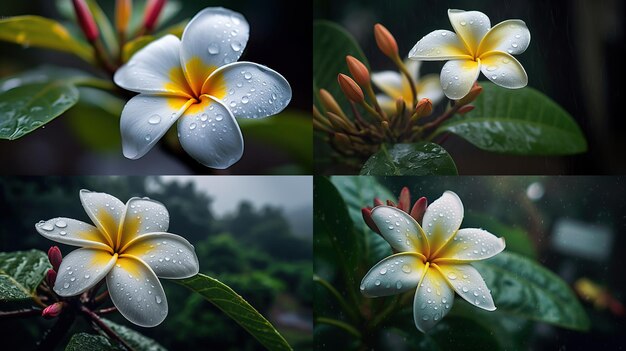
(235,45)
(244,100)
(219,117)
(204,117)
(514,45)
(406,268)
(62,233)
(492,68)
(377,282)
(429,289)
(154,119)
(452,276)
(425,318)
(399,285)
(214,49)
(443,34)
(192,126)
(247,75)
(383,271)
(148,137)
(87,276)
(463,23)
(61,224)
(465,289)
(66,285)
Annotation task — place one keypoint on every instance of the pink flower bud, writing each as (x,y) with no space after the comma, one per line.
(53,310)
(418,210)
(405,199)
(377,202)
(350,89)
(55,257)
(366,212)
(85,19)
(153,10)
(51,277)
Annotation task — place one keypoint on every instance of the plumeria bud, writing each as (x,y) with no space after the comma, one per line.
(153,10)
(404,202)
(55,257)
(329,102)
(349,87)
(359,72)
(385,41)
(123,9)
(51,277)
(377,202)
(471,96)
(340,124)
(53,310)
(85,19)
(342,141)
(423,108)
(366,212)
(465,109)
(391,203)
(419,208)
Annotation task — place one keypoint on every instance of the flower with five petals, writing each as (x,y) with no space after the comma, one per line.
(129,246)
(476,47)
(196,82)
(434,259)
(395,85)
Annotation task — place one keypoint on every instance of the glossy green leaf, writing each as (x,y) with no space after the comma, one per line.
(134,339)
(331,45)
(45,33)
(417,159)
(359,192)
(235,307)
(290,131)
(89,342)
(21,273)
(28,107)
(523,288)
(521,122)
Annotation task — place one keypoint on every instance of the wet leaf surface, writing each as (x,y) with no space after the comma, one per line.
(421,158)
(20,274)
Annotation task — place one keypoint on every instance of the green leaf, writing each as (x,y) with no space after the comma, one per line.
(30,106)
(421,158)
(45,33)
(234,306)
(89,342)
(523,288)
(359,192)
(521,122)
(21,273)
(331,45)
(136,340)
(290,131)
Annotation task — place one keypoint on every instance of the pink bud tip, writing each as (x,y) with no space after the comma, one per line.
(405,200)
(418,210)
(153,10)
(53,310)
(366,212)
(85,19)
(55,257)
(51,277)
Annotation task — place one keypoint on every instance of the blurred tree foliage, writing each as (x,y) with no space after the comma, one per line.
(255,251)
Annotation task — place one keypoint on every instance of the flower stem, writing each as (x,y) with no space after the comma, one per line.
(339,324)
(95,319)
(406,73)
(19,313)
(95,83)
(342,302)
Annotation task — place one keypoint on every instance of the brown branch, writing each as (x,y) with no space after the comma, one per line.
(95,319)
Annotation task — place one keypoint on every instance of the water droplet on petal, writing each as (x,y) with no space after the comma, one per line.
(245,99)
(383,271)
(66,285)
(406,268)
(61,224)
(247,75)
(62,233)
(377,282)
(47,227)
(463,23)
(154,119)
(452,276)
(192,126)
(219,117)
(214,49)
(235,45)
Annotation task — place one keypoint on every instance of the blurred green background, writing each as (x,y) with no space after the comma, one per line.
(573,58)
(86,139)
(252,233)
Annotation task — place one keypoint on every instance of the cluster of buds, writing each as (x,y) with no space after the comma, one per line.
(360,133)
(404,204)
(123,11)
(55,257)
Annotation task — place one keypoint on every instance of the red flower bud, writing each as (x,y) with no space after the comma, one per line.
(418,210)
(465,109)
(51,277)
(377,202)
(366,212)
(153,10)
(424,108)
(385,41)
(85,19)
(55,257)
(350,89)
(405,200)
(391,203)
(359,72)
(53,310)
(471,96)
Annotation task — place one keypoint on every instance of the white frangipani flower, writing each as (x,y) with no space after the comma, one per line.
(395,85)
(197,82)
(433,259)
(476,47)
(129,246)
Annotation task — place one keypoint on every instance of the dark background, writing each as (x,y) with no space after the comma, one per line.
(279,39)
(264,254)
(574,57)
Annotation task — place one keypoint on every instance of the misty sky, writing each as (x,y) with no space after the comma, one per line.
(228,191)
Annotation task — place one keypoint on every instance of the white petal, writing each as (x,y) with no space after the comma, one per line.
(386,103)
(430,87)
(215,36)
(471,27)
(433,300)
(143,216)
(211,135)
(469,284)
(82,269)
(399,229)
(511,36)
(137,293)
(439,45)
(254,91)
(504,70)
(390,82)
(471,244)
(393,275)
(413,66)
(145,119)
(442,219)
(458,77)
(169,255)
(72,232)
(105,211)
(155,69)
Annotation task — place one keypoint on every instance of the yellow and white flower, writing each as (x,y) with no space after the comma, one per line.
(129,246)
(196,82)
(395,85)
(433,259)
(476,47)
